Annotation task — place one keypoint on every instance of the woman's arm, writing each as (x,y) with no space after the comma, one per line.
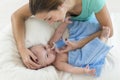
(104,19)
(18,22)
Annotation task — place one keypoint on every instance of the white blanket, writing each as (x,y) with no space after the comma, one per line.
(11,67)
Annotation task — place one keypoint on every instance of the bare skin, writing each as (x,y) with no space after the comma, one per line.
(105,34)
(69,6)
(60,60)
(76,44)
(47,56)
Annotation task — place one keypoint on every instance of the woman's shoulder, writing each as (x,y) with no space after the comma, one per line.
(95,5)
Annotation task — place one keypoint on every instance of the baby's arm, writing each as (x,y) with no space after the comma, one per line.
(59,31)
(63,66)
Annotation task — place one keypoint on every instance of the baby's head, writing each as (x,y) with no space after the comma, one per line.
(44,54)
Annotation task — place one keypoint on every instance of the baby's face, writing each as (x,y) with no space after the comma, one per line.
(45,55)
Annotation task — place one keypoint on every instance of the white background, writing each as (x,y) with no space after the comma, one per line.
(113,5)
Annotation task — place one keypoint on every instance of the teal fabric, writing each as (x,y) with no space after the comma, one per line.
(89,7)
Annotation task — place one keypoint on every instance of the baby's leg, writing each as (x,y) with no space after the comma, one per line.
(105,34)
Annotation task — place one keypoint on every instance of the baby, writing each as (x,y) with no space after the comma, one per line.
(64,61)
(47,56)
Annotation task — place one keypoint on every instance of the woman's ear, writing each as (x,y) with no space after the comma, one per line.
(59,7)
(62,7)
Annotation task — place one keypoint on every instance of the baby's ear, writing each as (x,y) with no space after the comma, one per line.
(61,7)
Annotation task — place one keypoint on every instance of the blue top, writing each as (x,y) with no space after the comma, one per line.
(89,7)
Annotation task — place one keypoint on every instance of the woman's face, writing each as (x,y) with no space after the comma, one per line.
(52,16)
(45,56)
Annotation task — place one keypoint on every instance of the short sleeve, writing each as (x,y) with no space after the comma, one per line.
(97,5)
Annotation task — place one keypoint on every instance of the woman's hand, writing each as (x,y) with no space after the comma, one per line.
(29,59)
(52,40)
(70,45)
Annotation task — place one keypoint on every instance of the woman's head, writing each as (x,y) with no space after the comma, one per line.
(48,10)
(37,6)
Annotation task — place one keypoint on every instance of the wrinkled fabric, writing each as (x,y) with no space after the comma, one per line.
(93,53)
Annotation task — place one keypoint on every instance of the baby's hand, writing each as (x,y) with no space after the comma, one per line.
(67,20)
(54,48)
(71,45)
(89,71)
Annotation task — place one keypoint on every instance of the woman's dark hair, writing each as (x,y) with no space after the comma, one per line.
(43,5)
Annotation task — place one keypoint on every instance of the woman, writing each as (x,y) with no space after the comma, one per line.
(57,10)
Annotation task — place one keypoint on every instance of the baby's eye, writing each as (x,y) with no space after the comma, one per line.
(44,47)
(47,55)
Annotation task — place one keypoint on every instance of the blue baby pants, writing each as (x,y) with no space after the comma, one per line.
(93,53)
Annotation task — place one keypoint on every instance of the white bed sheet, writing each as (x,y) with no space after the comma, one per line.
(111,71)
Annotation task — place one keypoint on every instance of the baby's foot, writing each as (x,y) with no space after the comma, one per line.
(105,34)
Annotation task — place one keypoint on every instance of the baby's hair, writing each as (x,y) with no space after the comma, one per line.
(35,45)
(43,5)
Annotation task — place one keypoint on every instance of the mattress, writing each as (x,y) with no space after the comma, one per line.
(11,66)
